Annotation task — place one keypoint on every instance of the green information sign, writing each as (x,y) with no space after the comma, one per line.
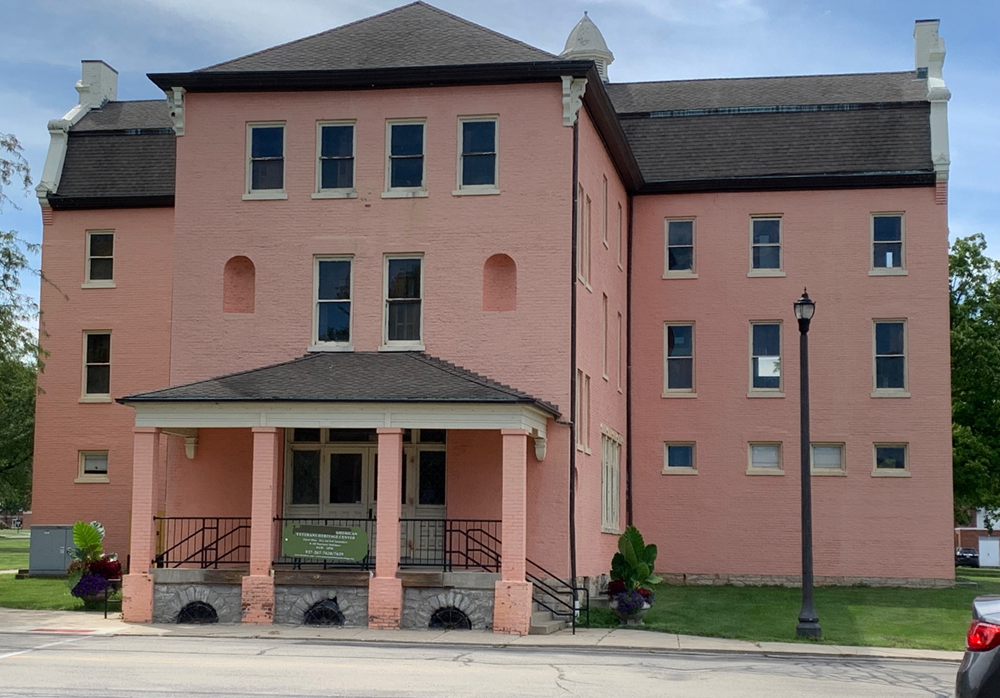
(324,542)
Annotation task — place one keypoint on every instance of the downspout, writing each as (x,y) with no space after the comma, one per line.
(628,368)
(573,397)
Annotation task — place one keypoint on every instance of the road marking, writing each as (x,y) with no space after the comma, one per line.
(40,647)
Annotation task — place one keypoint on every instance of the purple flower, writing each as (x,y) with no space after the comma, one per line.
(89,585)
(629,602)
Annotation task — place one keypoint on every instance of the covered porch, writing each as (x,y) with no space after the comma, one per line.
(298,525)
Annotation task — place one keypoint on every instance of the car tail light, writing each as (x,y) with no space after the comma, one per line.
(982,636)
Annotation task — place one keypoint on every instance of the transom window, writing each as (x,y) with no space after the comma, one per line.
(100,258)
(678,343)
(336,156)
(267,157)
(403,300)
(765,244)
(97,364)
(406,156)
(765,356)
(478,157)
(680,248)
(890,355)
(332,318)
(887,242)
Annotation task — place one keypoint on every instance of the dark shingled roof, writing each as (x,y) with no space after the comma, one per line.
(127,116)
(413,35)
(351,377)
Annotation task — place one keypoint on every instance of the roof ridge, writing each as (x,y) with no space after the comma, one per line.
(480,26)
(762,77)
(231,375)
(464,372)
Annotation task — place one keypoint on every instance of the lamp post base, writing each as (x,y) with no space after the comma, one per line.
(809,629)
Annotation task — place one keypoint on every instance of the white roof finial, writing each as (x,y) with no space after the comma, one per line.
(586,42)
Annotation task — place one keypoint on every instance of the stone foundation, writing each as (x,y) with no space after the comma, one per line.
(170,598)
(419,604)
(292,602)
(760,580)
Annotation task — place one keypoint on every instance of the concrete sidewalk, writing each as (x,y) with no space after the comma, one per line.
(77,622)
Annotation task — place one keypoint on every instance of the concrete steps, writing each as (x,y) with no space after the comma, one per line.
(543,622)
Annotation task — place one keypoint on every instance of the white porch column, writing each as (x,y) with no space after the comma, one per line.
(258,586)
(512,602)
(137,586)
(385,589)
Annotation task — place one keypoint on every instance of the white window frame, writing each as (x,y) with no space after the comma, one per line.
(780,271)
(604,212)
(887,271)
(611,456)
(680,470)
(250,194)
(315,343)
(85,477)
(691,273)
(621,350)
(903,392)
(582,411)
(400,345)
(680,392)
(620,235)
(96,397)
(336,192)
(841,471)
(767,392)
(605,329)
(391,192)
(478,189)
(98,283)
(583,238)
(757,470)
(893,472)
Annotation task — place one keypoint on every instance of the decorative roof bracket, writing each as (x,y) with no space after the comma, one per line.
(572,90)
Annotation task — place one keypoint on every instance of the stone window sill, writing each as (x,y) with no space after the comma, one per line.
(679,471)
(766,272)
(335,194)
(885,472)
(405,194)
(265,195)
(765,471)
(98,284)
(95,399)
(92,479)
(475,192)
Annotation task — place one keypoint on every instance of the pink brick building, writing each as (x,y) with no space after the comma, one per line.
(411,255)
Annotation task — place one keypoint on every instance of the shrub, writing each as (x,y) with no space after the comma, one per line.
(633,563)
(89,585)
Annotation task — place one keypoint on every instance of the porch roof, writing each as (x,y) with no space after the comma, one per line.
(350,377)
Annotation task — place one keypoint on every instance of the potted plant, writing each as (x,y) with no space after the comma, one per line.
(91,569)
(631,577)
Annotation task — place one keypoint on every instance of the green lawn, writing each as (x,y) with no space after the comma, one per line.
(878,617)
(13,551)
(37,594)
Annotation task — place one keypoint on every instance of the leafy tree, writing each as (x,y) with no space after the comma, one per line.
(975,376)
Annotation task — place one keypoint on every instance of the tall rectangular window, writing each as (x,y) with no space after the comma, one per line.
(604,335)
(333,301)
(678,345)
(890,355)
(679,248)
(580,211)
(582,415)
(97,364)
(887,243)
(267,157)
(611,453)
(336,157)
(765,244)
(405,166)
(604,211)
(620,344)
(765,356)
(100,259)
(403,300)
(477,163)
(621,234)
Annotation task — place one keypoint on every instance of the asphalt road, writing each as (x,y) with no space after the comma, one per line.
(90,666)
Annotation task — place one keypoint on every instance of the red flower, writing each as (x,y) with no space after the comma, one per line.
(616,586)
(107,568)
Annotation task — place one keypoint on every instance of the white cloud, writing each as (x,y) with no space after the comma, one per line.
(696,12)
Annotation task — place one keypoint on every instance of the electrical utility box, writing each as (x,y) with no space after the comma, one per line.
(49,552)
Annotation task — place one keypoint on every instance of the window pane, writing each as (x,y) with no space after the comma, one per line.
(404,278)
(679,340)
(407,139)
(98,348)
(680,233)
(767,257)
(767,372)
(267,174)
(334,324)
(680,258)
(890,457)
(334,279)
(407,172)
(345,478)
(404,321)
(337,174)
(766,340)
(337,141)
(95,463)
(890,372)
(267,142)
(478,136)
(102,245)
(680,374)
(478,169)
(888,254)
(98,380)
(888,338)
(433,436)
(305,474)
(827,457)
(432,477)
(888,229)
(306,435)
(680,456)
(766,232)
(765,456)
(102,269)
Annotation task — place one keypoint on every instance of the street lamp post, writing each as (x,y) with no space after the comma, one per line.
(808,620)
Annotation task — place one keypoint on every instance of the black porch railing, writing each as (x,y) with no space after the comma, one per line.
(202,541)
(557,596)
(299,563)
(451,544)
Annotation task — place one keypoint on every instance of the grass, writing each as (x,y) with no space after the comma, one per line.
(877,617)
(13,551)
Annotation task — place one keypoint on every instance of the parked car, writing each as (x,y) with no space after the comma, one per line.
(966,557)
(979,674)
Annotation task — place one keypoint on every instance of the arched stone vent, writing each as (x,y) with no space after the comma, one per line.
(499,283)
(450,618)
(326,612)
(238,286)
(197,613)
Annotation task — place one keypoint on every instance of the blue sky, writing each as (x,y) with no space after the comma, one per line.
(43,41)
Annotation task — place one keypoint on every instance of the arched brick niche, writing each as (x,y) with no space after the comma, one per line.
(239,279)
(499,283)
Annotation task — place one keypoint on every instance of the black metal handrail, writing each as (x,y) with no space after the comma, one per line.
(450,544)
(549,592)
(206,541)
(298,563)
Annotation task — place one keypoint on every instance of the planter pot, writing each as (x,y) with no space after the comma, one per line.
(93,600)
(629,620)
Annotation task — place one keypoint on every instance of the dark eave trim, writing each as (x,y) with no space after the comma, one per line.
(79,203)
(602,111)
(854,180)
(370,78)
